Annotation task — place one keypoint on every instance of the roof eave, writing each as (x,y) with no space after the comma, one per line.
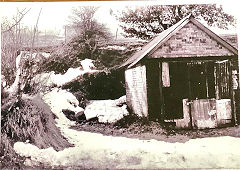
(215,37)
(183,22)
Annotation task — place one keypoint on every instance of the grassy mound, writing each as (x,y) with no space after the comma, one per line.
(32,120)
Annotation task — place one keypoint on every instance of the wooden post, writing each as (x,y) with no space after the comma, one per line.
(190,96)
(216,73)
(206,78)
(232,94)
(161,92)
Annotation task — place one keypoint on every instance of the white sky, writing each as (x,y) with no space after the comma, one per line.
(55,14)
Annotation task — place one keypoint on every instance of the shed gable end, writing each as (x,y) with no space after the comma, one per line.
(190,41)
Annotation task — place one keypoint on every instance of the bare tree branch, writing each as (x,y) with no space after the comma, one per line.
(18,20)
(36,28)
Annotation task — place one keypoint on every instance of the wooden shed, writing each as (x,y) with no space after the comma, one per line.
(183,76)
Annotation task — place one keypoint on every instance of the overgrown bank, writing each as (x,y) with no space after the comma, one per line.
(28,120)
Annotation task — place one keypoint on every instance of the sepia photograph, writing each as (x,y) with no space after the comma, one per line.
(120,85)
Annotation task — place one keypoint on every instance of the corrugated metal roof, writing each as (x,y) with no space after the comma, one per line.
(165,35)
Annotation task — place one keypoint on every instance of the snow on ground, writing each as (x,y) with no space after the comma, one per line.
(3,81)
(107,111)
(87,64)
(93,150)
(116,47)
(46,55)
(58,100)
(50,79)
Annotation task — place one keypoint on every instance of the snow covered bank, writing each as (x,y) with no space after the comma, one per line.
(107,111)
(97,151)
(116,47)
(50,79)
(58,100)
(21,58)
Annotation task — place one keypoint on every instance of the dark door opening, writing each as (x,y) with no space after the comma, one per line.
(201,79)
(176,92)
(192,80)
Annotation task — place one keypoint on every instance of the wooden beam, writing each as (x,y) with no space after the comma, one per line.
(189,97)
(206,78)
(232,94)
(192,59)
(161,92)
(216,71)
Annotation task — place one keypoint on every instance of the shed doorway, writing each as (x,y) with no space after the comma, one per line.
(176,90)
(192,81)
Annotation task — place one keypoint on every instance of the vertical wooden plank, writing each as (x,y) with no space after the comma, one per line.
(206,109)
(225,79)
(221,80)
(186,115)
(193,107)
(232,94)
(165,74)
(216,81)
(206,77)
(201,110)
(229,79)
(190,96)
(161,91)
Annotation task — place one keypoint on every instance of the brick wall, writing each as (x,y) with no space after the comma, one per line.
(136,90)
(190,41)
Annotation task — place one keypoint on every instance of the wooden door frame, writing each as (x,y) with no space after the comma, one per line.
(187,60)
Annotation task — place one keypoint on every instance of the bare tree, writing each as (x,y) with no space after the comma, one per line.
(25,65)
(11,42)
(90,33)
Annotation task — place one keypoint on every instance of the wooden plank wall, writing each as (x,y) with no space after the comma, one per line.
(204,113)
(136,90)
(222,80)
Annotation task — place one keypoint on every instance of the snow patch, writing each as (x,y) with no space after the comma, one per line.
(58,100)
(87,64)
(51,79)
(45,55)
(107,111)
(3,81)
(121,152)
(116,47)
